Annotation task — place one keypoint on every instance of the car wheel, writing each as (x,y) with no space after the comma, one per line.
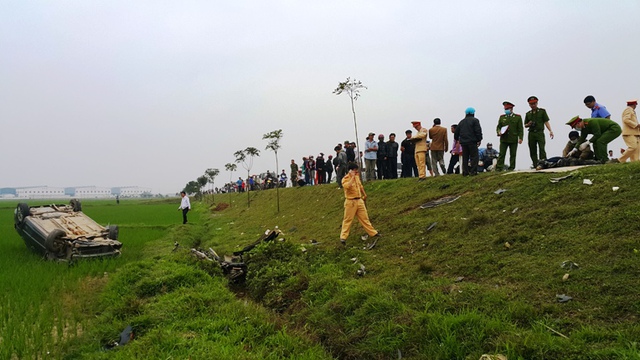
(113,232)
(22,211)
(76,205)
(55,242)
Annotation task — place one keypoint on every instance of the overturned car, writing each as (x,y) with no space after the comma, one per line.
(64,232)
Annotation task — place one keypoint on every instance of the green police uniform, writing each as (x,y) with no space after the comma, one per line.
(604,131)
(509,140)
(536,139)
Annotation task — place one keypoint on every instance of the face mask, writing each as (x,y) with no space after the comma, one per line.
(507,111)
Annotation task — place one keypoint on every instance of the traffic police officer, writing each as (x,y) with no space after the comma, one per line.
(510,131)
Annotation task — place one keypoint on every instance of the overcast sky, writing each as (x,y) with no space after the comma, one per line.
(153,93)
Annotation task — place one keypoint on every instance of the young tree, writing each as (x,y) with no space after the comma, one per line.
(192,187)
(202,181)
(230,168)
(211,177)
(245,158)
(352,88)
(274,144)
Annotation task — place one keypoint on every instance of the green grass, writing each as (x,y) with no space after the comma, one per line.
(306,301)
(41,301)
(50,309)
(409,301)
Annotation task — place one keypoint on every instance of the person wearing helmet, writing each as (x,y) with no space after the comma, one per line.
(488,158)
(469,134)
(568,150)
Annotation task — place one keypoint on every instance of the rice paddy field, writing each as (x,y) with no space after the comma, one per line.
(42,302)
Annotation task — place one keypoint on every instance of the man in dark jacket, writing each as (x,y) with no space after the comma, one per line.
(350,150)
(469,133)
(320,168)
(382,156)
(392,157)
(328,168)
(340,164)
(407,148)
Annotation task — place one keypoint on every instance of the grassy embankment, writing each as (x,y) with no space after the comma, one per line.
(51,310)
(484,279)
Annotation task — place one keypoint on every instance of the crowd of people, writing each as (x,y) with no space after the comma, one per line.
(422,151)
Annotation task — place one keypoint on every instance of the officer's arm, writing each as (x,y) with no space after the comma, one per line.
(420,135)
(520,129)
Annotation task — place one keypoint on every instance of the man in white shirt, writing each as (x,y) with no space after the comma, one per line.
(185,206)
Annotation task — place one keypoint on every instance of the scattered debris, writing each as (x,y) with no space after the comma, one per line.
(314,242)
(175,246)
(364,237)
(562,298)
(587,181)
(507,245)
(493,357)
(372,245)
(361,271)
(615,188)
(432,226)
(569,264)
(459,278)
(200,255)
(303,249)
(499,191)
(565,277)
(125,336)
(514,210)
(558,179)
(234,266)
(354,260)
(443,200)
(268,235)
(399,354)
(554,331)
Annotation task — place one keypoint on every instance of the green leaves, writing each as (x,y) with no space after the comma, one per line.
(351,87)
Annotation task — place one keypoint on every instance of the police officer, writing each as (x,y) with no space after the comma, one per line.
(603,130)
(535,121)
(510,131)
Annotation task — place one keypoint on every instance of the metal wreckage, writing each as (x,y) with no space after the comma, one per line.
(233,266)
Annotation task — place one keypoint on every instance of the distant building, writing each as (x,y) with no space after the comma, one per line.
(39,192)
(131,191)
(7,193)
(94,192)
(84,192)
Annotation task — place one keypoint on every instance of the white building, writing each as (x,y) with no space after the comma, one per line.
(40,192)
(131,191)
(95,192)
